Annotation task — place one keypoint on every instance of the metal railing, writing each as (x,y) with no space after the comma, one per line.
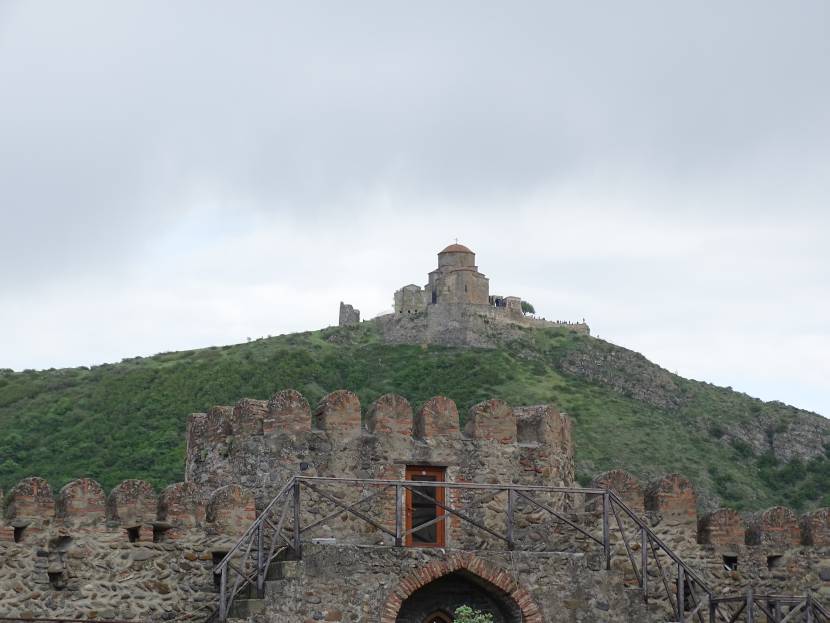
(278,532)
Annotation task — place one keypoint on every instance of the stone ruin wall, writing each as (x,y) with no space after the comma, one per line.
(136,553)
(479,326)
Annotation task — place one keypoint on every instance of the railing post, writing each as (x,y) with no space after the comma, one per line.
(511,501)
(223,596)
(260,563)
(713,608)
(297,545)
(681,592)
(398,515)
(750,606)
(644,563)
(809,601)
(606,535)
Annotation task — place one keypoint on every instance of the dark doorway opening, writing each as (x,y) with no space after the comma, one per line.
(423,508)
(443,596)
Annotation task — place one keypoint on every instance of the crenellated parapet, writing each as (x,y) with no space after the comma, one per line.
(288,412)
(133,505)
(671,501)
(261,444)
(230,510)
(777,526)
(131,513)
(815,528)
(492,420)
(624,485)
(82,504)
(437,418)
(181,509)
(724,527)
(31,507)
(390,414)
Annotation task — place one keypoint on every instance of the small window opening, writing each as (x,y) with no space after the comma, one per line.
(56,580)
(62,543)
(159,534)
(774,562)
(217,558)
(134,534)
(730,563)
(18,534)
(434,297)
(438,617)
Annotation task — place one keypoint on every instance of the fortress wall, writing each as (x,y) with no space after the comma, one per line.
(333,441)
(136,553)
(75,566)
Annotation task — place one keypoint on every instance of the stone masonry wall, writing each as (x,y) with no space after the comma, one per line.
(137,554)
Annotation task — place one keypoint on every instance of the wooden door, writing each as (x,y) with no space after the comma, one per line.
(420,510)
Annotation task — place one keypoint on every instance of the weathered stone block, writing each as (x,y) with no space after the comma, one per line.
(132,503)
(492,420)
(624,485)
(183,506)
(546,453)
(30,503)
(288,412)
(231,510)
(775,526)
(82,504)
(338,413)
(219,423)
(815,528)
(390,414)
(247,417)
(674,497)
(722,527)
(437,418)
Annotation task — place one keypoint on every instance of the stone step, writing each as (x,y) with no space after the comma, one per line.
(245,608)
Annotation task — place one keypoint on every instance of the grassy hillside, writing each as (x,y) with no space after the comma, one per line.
(127,420)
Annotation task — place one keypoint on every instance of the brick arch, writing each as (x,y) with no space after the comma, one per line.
(460,562)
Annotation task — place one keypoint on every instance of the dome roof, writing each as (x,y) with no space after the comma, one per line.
(455,248)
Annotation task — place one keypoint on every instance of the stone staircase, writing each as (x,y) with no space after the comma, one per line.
(248,604)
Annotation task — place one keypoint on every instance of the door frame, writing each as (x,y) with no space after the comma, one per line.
(440,495)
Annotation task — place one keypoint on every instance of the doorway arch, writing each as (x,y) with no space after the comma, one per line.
(460,579)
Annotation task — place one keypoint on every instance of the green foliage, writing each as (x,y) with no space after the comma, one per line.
(465,614)
(527,308)
(127,420)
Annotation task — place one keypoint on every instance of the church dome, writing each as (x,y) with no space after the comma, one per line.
(455,248)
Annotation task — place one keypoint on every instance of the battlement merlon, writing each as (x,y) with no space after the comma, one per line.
(338,437)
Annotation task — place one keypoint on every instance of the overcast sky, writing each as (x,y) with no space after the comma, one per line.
(178,175)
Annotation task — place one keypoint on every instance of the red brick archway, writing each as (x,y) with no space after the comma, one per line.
(460,562)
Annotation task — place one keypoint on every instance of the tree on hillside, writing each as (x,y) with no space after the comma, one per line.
(527,308)
(465,614)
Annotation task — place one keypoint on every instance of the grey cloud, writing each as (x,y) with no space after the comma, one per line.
(142,141)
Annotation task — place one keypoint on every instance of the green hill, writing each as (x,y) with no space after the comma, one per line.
(127,420)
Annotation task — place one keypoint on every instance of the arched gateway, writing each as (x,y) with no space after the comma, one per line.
(438,588)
